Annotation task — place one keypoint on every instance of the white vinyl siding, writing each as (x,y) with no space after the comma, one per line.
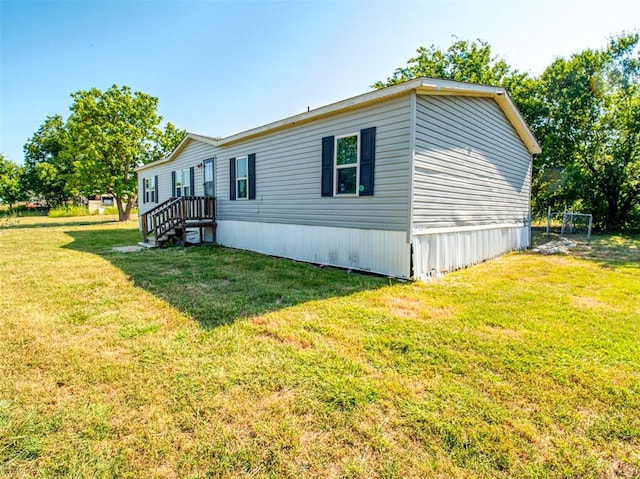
(194,153)
(289,173)
(471,168)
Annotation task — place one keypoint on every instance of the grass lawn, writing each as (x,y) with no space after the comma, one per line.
(210,363)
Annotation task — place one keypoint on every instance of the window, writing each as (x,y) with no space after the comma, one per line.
(182,182)
(149,195)
(242,178)
(209,187)
(346,161)
(348,164)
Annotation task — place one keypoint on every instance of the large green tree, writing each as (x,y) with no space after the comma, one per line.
(48,171)
(10,182)
(110,134)
(590,133)
(473,62)
(463,61)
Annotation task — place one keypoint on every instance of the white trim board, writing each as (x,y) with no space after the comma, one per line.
(419,230)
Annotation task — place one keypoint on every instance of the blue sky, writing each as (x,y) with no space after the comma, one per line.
(219,68)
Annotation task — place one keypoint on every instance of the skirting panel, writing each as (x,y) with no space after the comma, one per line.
(384,252)
(444,250)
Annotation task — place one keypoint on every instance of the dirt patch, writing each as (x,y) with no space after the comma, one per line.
(585,302)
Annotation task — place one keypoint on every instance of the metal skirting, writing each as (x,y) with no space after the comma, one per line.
(376,251)
(441,251)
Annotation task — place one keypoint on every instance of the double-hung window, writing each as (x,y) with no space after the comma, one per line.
(242,178)
(182,182)
(348,164)
(347,151)
(209,185)
(150,190)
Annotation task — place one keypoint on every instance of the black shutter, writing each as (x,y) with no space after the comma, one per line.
(367,160)
(173,184)
(252,176)
(156,186)
(327,165)
(144,190)
(232,179)
(192,181)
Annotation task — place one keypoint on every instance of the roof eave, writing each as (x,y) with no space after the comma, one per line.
(446,87)
(423,85)
(515,117)
(187,138)
(327,110)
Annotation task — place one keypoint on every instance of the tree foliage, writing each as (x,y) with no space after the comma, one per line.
(48,171)
(472,62)
(10,184)
(110,134)
(169,139)
(591,133)
(462,61)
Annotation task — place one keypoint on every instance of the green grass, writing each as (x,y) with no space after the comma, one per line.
(210,362)
(68,211)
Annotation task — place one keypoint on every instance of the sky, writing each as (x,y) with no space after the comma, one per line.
(219,68)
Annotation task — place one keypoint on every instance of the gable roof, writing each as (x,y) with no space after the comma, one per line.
(422,86)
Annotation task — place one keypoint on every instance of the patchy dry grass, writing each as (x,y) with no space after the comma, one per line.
(210,362)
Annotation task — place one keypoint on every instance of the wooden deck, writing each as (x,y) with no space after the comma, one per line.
(170,220)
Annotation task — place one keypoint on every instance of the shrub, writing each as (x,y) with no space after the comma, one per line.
(113,210)
(67,211)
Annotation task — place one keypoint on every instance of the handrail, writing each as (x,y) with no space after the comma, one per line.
(148,227)
(176,212)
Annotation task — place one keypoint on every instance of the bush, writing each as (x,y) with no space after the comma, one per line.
(113,210)
(21,210)
(67,211)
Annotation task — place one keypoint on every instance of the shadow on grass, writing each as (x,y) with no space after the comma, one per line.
(47,223)
(608,250)
(218,285)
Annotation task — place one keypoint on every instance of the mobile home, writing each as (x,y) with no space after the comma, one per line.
(410,181)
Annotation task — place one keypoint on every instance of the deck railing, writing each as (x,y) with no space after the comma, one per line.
(177,212)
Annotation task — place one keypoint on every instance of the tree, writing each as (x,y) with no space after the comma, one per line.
(474,62)
(10,184)
(110,134)
(462,61)
(591,133)
(48,170)
(168,141)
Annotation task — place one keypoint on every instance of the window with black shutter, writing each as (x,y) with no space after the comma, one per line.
(149,190)
(242,178)
(348,164)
